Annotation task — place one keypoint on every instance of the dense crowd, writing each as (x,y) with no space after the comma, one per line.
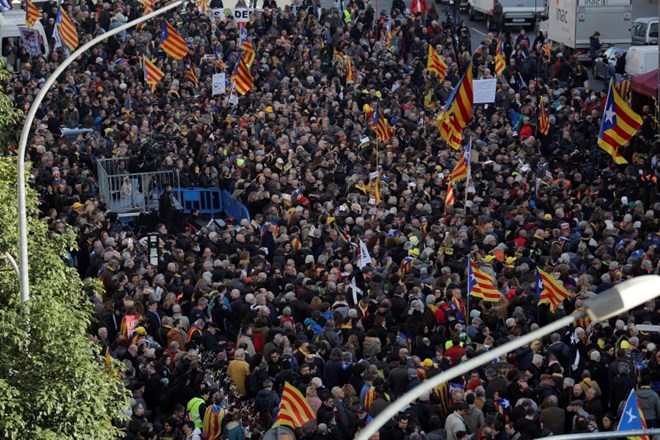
(236,308)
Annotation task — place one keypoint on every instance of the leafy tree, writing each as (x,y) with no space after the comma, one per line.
(9,115)
(53,381)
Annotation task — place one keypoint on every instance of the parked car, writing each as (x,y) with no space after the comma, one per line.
(644,31)
(607,61)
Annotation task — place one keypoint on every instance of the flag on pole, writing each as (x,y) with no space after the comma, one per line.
(480,284)
(242,77)
(458,111)
(191,75)
(363,258)
(349,69)
(388,34)
(549,290)
(294,409)
(66,29)
(500,59)
(449,199)
(379,125)
(148,9)
(343,234)
(618,125)
(32,13)
(171,42)
(546,50)
(633,416)
(152,74)
(462,168)
(248,52)
(544,122)
(436,64)
(623,87)
(219,64)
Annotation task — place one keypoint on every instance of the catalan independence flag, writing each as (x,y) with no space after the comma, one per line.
(449,199)
(248,52)
(633,416)
(458,110)
(619,124)
(343,234)
(480,284)
(436,64)
(32,13)
(379,125)
(152,74)
(549,290)
(462,168)
(500,60)
(294,409)
(66,29)
(406,265)
(623,88)
(148,9)
(546,50)
(190,74)
(544,123)
(349,69)
(242,77)
(171,42)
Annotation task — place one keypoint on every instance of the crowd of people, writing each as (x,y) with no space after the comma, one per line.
(236,308)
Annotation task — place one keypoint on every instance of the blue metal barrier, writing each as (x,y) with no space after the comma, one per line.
(211,202)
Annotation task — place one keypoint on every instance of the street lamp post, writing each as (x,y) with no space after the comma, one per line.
(25,133)
(608,304)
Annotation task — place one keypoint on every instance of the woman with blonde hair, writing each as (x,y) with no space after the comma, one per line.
(312,398)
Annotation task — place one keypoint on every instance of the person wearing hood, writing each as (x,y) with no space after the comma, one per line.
(649,401)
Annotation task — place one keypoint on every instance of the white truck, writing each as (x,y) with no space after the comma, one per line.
(516,13)
(572,22)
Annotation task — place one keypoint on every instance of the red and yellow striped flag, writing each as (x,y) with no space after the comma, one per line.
(436,64)
(544,123)
(294,410)
(191,75)
(619,124)
(107,358)
(449,199)
(349,69)
(152,74)
(66,29)
(500,60)
(546,50)
(549,290)
(172,43)
(458,111)
(242,77)
(32,13)
(480,284)
(379,125)
(249,53)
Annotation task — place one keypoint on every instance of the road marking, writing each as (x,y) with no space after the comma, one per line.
(479,32)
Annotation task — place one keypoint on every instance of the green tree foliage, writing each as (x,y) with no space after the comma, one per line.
(53,381)
(9,115)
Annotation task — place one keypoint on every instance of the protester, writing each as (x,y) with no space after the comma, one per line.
(290,294)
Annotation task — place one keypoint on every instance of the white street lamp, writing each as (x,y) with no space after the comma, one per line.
(610,303)
(25,133)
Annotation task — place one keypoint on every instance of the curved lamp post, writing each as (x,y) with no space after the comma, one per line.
(608,304)
(25,134)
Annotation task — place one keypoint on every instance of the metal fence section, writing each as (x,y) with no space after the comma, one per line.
(126,192)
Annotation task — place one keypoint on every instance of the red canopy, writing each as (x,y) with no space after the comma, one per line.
(646,84)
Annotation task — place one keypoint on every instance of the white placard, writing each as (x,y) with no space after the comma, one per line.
(30,40)
(218,82)
(484,90)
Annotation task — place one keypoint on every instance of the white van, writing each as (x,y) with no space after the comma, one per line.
(644,31)
(641,59)
(10,23)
